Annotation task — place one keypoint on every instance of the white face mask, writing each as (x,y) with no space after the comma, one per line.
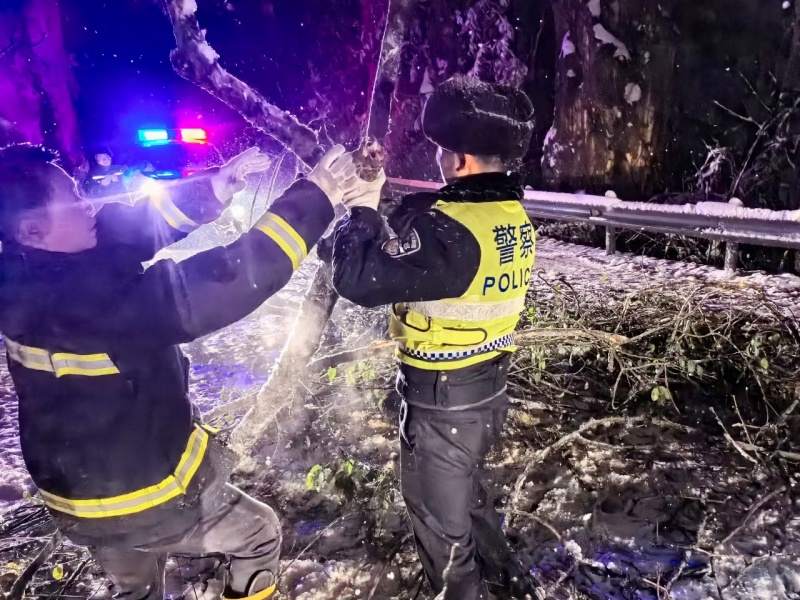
(449,165)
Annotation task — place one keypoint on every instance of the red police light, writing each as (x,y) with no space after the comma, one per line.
(194,135)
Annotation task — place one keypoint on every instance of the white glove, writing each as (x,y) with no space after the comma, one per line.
(364,193)
(332,173)
(230,179)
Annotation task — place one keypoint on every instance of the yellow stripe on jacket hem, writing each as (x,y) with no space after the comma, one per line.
(142,499)
(61,363)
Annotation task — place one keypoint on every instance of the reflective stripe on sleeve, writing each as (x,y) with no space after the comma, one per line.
(285,236)
(172,214)
(140,500)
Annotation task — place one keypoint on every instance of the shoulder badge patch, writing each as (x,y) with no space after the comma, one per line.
(399,247)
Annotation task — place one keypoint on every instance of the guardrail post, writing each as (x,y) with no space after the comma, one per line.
(731,257)
(611,241)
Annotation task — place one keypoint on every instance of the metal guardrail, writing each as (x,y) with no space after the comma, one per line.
(729,223)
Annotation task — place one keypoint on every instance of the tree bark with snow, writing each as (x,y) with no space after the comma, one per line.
(614,85)
(439,39)
(196,60)
(278,413)
(791,81)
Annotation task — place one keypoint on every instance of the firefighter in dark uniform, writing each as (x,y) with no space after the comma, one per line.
(108,433)
(455,270)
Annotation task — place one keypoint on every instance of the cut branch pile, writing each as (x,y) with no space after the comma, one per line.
(684,349)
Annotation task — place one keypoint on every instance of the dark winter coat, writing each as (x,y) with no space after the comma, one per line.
(103,436)
(433,257)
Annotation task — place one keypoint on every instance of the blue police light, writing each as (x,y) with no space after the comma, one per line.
(153,137)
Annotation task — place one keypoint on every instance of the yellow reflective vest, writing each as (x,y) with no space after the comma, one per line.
(478,326)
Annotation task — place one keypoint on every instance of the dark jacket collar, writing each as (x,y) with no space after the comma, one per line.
(23,264)
(485,187)
(41,260)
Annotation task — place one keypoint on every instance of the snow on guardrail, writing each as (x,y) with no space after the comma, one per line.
(729,222)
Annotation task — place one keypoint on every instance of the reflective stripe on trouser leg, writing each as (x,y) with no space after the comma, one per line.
(403,419)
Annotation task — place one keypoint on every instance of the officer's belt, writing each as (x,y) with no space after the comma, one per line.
(494,345)
(61,363)
(457,408)
(461,310)
(140,500)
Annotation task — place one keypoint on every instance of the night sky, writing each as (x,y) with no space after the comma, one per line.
(121,52)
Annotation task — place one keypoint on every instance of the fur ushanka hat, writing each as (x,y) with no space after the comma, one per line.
(470,116)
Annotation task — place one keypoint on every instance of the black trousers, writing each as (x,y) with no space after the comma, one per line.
(218,520)
(233,524)
(458,533)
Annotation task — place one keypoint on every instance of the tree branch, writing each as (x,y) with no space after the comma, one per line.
(524,338)
(196,61)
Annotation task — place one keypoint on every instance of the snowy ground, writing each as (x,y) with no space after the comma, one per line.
(634,513)
(590,268)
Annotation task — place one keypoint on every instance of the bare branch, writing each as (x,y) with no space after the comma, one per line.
(732,441)
(736,115)
(195,60)
(17,591)
(750,513)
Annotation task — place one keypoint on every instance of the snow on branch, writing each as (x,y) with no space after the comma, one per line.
(195,60)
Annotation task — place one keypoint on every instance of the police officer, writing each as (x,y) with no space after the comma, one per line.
(455,270)
(108,433)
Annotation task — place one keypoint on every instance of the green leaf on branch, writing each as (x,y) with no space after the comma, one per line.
(331,374)
(316,478)
(661,394)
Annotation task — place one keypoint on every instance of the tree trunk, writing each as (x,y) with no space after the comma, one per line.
(384,75)
(442,38)
(279,414)
(409,153)
(36,83)
(535,46)
(615,77)
(791,81)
